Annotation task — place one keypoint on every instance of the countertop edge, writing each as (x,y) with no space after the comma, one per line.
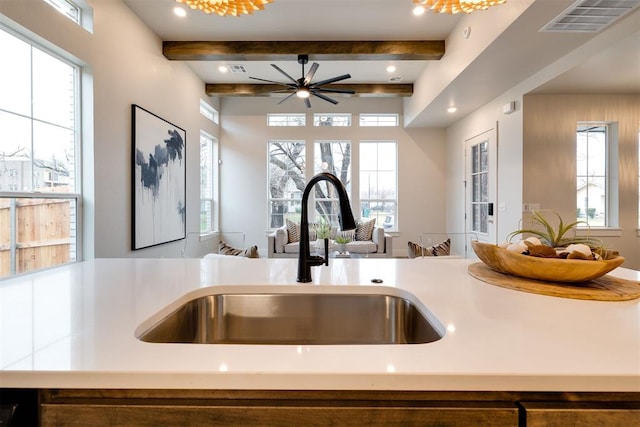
(320,381)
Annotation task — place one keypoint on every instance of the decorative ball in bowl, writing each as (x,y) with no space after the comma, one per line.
(546,269)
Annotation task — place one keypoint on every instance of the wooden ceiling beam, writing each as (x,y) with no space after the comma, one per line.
(361,90)
(317,50)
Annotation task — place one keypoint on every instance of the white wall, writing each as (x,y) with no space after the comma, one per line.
(508,203)
(550,148)
(243,173)
(124,64)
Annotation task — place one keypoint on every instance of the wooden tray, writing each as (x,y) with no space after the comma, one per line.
(605,288)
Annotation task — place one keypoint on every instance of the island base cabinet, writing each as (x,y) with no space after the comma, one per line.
(121,415)
(66,407)
(582,414)
(70,408)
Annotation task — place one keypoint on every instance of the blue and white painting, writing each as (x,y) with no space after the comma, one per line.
(159,180)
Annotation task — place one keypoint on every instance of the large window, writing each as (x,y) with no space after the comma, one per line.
(592,174)
(39,159)
(372,190)
(378,182)
(286,181)
(333,157)
(207,145)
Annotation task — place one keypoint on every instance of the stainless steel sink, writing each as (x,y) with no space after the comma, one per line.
(296,318)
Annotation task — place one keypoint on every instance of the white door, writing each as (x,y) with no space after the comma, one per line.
(481,188)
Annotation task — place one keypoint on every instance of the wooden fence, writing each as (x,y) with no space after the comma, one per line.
(41,236)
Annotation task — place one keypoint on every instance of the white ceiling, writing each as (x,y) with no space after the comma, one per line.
(516,54)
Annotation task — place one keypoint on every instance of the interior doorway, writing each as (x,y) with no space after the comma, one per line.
(481,162)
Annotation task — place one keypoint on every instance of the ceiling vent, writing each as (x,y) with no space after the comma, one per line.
(395,79)
(590,16)
(237,68)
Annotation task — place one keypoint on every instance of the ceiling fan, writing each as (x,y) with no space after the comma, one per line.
(303,87)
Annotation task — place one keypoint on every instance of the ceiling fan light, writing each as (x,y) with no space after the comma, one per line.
(303,93)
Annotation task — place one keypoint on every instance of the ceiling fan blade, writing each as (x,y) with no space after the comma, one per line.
(331,80)
(326,98)
(274,82)
(287,97)
(333,90)
(284,73)
(307,102)
(311,73)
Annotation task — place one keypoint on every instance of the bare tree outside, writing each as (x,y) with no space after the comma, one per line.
(333,157)
(287,179)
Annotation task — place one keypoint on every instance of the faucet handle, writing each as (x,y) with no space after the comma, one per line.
(315,260)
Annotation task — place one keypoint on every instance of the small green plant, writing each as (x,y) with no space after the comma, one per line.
(342,240)
(555,236)
(323,229)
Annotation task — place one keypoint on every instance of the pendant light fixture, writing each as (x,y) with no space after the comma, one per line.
(227,7)
(456,6)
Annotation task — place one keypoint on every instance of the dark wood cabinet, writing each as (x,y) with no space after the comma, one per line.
(582,414)
(65,407)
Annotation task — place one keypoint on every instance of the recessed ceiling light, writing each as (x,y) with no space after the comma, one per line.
(452,110)
(179,12)
(391,68)
(223,69)
(419,10)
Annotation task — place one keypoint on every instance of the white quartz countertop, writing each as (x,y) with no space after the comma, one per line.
(73,327)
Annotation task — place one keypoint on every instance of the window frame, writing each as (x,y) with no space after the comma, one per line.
(291,200)
(609,176)
(378,122)
(317,168)
(362,200)
(75,214)
(210,142)
(291,119)
(209,112)
(78,11)
(318,116)
(67,8)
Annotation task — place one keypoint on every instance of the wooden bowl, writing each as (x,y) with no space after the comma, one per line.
(547,269)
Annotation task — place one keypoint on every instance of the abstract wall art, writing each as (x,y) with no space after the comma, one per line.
(159,180)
